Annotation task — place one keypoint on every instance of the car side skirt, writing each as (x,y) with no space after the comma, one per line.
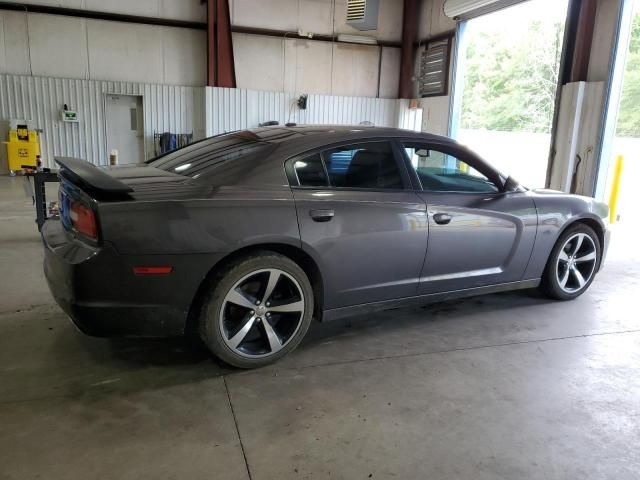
(365,308)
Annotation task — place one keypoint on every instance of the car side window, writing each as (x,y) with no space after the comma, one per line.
(310,172)
(439,171)
(364,165)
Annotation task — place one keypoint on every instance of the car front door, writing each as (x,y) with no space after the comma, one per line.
(360,221)
(478,234)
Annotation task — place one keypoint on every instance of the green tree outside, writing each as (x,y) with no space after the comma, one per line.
(629,114)
(510,80)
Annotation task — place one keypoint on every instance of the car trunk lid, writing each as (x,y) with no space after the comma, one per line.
(127,182)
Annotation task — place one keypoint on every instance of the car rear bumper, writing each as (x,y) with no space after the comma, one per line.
(97,288)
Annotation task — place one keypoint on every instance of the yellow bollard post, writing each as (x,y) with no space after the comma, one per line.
(615,189)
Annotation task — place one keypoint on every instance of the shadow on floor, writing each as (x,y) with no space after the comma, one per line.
(188,355)
(404,318)
(63,362)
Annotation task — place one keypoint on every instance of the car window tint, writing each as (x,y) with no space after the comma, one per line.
(441,172)
(310,172)
(211,156)
(366,165)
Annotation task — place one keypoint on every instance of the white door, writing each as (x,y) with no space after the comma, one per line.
(124,127)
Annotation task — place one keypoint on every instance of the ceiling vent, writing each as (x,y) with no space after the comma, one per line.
(363,14)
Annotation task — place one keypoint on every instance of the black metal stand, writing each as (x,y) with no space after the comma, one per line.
(39,188)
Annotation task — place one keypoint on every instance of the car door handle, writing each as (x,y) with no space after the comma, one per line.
(321,215)
(441,218)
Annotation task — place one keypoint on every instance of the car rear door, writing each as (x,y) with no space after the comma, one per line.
(361,221)
(478,234)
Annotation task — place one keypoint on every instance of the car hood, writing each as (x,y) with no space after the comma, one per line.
(547,191)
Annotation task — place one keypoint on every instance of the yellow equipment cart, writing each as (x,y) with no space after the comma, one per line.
(22,148)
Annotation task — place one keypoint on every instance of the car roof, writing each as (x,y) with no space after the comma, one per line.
(282,134)
(298,139)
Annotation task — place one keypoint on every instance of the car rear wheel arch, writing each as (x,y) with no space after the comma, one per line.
(299,256)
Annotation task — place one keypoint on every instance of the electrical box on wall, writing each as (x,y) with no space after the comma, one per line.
(363,14)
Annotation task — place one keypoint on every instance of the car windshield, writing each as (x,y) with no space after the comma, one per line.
(208,156)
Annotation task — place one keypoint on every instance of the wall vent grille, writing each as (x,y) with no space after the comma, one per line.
(363,14)
(356,10)
(434,69)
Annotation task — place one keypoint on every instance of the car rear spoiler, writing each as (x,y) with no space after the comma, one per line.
(85,174)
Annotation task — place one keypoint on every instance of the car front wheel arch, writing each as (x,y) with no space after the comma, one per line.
(591,223)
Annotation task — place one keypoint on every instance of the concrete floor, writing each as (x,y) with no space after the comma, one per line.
(508,386)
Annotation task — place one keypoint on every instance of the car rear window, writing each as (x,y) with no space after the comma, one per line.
(365,165)
(212,155)
(311,172)
(370,165)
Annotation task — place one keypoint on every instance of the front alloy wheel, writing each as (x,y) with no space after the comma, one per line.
(573,263)
(576,262)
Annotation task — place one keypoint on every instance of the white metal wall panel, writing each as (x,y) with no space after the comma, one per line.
(203,111)
(409,118)
(230,109)
(39,100)
(352,110)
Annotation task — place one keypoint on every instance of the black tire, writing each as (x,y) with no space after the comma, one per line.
(212,322)
(551,284)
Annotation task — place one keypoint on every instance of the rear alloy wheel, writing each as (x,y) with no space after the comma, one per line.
(259,311)
(573,263)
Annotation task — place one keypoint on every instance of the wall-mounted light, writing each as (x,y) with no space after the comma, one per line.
(363,39)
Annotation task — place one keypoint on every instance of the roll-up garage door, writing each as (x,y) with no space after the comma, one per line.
(466,9)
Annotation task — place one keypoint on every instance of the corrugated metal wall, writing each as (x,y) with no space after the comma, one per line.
(234,109)
(39,100)
(409,118)
(203,111)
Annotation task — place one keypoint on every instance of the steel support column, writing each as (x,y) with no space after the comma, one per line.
(220,62)
(583,40)
(211,42)
(226,74)
(410,17)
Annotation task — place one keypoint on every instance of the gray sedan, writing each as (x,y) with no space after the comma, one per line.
(245,237)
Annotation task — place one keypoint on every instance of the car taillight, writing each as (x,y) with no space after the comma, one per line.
(83,220)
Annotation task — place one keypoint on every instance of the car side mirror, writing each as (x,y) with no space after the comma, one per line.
(510,185)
